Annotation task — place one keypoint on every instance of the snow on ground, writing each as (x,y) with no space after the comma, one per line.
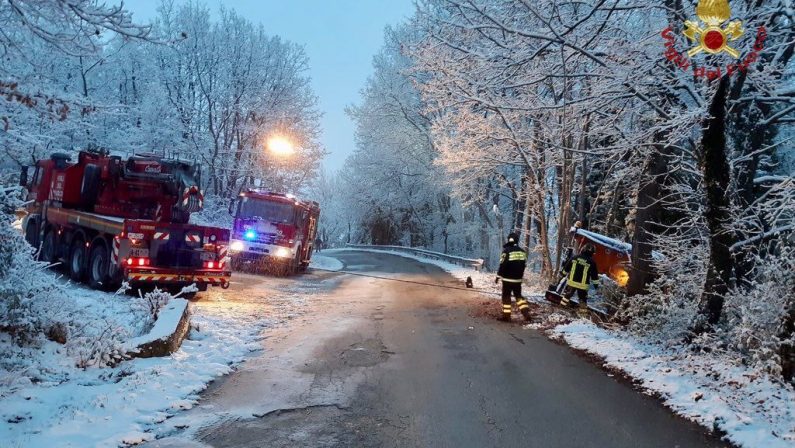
(752,409)
(60,405)
(718,393)
(325,262)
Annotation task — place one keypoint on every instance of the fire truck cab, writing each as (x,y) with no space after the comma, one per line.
(273,229)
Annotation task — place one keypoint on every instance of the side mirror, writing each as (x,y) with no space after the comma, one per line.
(23,177)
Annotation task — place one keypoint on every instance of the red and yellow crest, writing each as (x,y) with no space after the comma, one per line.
(712,38)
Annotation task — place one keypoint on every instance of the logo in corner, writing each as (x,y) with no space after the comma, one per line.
(712,38)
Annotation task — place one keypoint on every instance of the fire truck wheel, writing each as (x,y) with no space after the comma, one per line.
(98,267)
(296,264)
(47,253)
(77,260)
(32,233)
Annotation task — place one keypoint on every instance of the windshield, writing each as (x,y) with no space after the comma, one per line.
(265,210)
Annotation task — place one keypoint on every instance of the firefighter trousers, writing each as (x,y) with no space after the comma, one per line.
(582,295)
(515,289)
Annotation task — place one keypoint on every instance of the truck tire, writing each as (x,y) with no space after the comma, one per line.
(76,262)
(98,266)
(48,253)
(296,264)
(32,233)
(89,189)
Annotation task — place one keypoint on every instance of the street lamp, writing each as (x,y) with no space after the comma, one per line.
(280,146)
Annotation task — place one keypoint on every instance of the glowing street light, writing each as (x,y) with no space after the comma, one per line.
(280,146)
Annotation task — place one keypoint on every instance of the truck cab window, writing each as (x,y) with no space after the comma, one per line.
(37,175)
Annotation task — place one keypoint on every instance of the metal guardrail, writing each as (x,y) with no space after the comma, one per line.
(475,263)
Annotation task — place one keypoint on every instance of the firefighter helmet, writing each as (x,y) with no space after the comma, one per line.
(513,237)
(588,249)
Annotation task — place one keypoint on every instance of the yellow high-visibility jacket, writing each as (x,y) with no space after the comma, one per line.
(512,263)
(582,272)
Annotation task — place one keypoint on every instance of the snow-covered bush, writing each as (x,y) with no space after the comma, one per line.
(668,310)
(613,294)
(757,315)
(104,349)
(23,284)
(154,301)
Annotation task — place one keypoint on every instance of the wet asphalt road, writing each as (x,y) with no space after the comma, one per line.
(384,363)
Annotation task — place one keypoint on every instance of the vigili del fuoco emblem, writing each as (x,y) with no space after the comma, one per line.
(713,39)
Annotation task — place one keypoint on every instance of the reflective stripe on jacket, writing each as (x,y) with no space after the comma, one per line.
(582,272)
(512,263)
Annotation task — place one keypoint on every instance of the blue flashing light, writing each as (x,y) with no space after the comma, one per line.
(250,235)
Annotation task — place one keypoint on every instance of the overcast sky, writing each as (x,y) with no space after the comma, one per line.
(340,37)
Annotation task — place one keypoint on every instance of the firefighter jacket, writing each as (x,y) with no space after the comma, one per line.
(582,272)
(512,263)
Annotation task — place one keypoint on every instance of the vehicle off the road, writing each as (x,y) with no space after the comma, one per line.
(112,220)
(273,231)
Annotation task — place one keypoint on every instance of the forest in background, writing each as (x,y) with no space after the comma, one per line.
(210,87)
(484,117)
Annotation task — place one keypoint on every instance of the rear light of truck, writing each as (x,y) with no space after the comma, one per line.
(138,261)
(213,264)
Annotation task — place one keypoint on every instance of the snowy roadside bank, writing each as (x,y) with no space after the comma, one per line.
(718,393)
(46,401)
(752,409)
(326,263)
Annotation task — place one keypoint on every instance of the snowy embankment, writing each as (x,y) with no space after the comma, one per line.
(325,263)
(46,401)
(752,409)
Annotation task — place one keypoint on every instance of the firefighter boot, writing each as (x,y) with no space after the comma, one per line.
(506,313)
(524,308)
(582,310)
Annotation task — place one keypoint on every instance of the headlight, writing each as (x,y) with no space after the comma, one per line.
(237,246)
(621,277)
(282,252)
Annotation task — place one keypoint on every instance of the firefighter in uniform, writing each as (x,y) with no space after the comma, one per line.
(511,271)
(582,273)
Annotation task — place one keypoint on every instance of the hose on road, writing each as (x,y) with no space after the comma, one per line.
(600,313)
(414,282)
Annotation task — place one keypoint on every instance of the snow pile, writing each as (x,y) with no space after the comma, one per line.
(751,408)
(108,407)
(325,263)
(167,320)
(71,407)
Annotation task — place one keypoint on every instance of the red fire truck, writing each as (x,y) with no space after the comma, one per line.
(112,220)
(273,230)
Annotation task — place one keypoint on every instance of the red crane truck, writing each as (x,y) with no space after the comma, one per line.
(273,229)
(112,220)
